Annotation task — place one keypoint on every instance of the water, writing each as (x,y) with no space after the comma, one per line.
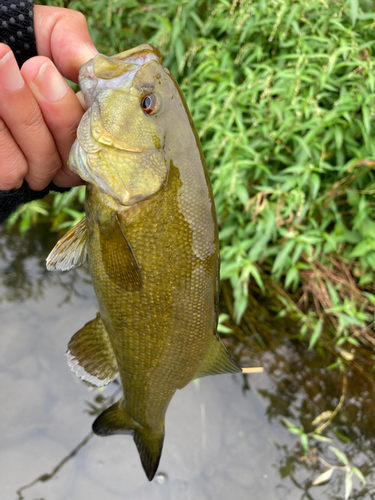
(224,435)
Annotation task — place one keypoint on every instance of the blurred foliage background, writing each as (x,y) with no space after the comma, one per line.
(282,96)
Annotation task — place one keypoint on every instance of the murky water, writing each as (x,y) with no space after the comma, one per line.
(224,435)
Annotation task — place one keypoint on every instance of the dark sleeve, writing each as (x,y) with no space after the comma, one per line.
(17,31)
(11,200)
(17,28)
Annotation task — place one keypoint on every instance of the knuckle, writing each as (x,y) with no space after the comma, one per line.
(13,168)
(71,129)
(13,165)
(34,121)
(13,178)
(46,167)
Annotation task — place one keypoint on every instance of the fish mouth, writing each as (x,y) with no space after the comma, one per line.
(144,53)
(115,72)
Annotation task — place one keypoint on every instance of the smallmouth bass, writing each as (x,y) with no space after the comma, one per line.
(150,235)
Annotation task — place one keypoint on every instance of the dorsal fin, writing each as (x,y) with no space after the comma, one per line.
(90,354)
(71,250)
(118,257)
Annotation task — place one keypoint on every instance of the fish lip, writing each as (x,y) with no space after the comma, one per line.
(91,85)
(145,50)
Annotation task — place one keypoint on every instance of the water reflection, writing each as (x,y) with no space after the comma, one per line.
(100,403)
(301,389)
(48,476)
(23,273)
(225,437)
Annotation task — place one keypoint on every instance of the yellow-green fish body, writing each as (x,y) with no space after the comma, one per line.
(151,238)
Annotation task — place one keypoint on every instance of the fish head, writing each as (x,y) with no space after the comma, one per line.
(121,140)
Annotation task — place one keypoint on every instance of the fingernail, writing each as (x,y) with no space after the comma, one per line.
(10,76)
(92,47)
(86,51)
(50,83)
(81,99)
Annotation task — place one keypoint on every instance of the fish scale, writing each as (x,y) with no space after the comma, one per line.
(182,326)
(151,238)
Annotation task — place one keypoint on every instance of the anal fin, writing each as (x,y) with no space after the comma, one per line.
(217,361)
(90,354)
(119,260)
(71,250)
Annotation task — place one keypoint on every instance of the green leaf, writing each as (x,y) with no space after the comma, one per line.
(338,137)
(196,19)
(359,474)
(333,294)
(242,193)
(240,305)
(353,11)
(227,232)
(292,276)
(256,275)
(324,439)
(292,427)
(316,334)
(340,455)
(342,437)
(348,484)
(370,296)
(288,423)
(179,50)
(281,258)
(304,442)
(360,249)
(315,185)
(222,328)
(366,118)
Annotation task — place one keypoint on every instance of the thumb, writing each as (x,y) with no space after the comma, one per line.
(62,35)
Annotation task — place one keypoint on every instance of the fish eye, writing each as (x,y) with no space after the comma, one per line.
(148,103)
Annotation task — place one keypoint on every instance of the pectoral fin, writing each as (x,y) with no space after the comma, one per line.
(71,250)
(90,354)
(217,361)
(119,260)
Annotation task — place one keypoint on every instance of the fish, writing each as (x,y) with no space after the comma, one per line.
(151,238)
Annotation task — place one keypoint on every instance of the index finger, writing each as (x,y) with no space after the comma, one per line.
(62,35)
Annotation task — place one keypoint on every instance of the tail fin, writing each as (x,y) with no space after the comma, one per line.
(114,420)
(150,445)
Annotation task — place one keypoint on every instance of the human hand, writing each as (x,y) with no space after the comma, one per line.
(39,112)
